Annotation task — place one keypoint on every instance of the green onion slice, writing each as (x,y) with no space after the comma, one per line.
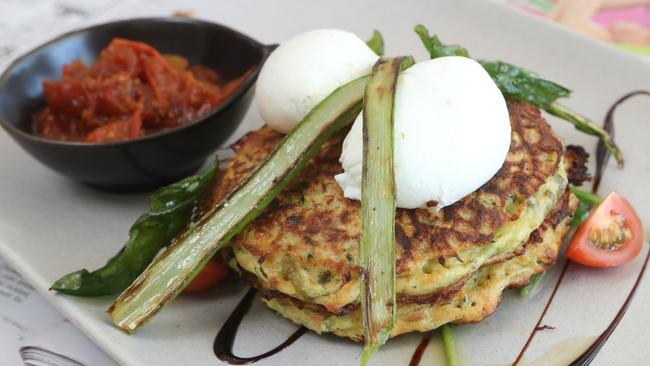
(377,254)
(449,342)
(166,277)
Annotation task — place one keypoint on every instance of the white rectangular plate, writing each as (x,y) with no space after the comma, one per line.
(50,226)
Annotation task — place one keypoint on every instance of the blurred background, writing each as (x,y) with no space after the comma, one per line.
(624,23)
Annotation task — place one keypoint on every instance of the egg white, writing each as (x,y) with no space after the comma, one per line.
(451,134)
(304,70)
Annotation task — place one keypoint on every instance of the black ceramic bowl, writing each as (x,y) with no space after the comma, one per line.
(146,162)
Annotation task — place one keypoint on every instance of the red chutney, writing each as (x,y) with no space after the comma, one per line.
(131,91)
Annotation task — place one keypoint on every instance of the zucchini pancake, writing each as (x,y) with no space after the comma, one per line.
(453,264)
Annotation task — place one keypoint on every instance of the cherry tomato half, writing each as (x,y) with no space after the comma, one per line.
(611,236)
(210,275)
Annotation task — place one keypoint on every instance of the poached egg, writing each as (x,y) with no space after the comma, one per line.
(304,70)
(451,134)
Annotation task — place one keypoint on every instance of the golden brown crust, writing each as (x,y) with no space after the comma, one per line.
(564,209)
(576,158)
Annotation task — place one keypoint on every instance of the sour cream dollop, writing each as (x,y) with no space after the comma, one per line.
(452,134)
(304,70)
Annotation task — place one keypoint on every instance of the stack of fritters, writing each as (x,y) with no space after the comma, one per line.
(452,264)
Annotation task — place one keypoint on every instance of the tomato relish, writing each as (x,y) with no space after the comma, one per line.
(131,91)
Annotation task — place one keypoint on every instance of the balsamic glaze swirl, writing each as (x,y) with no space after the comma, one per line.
(225,339)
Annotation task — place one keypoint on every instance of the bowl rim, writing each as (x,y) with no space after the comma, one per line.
(232,98)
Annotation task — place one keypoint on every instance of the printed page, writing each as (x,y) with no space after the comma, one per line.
(25,24)
(32,332)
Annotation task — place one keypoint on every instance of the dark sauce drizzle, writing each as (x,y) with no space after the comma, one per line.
(602,154)
(225,339)
(520,356)
(591,352)
(419,351)
(602,157)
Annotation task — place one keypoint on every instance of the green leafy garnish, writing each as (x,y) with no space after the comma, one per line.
(585,197)
(587,126)
(518,83)
(169,213)
(581,214)
(587,202)
(534,281)
(435,47)
(376,43)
